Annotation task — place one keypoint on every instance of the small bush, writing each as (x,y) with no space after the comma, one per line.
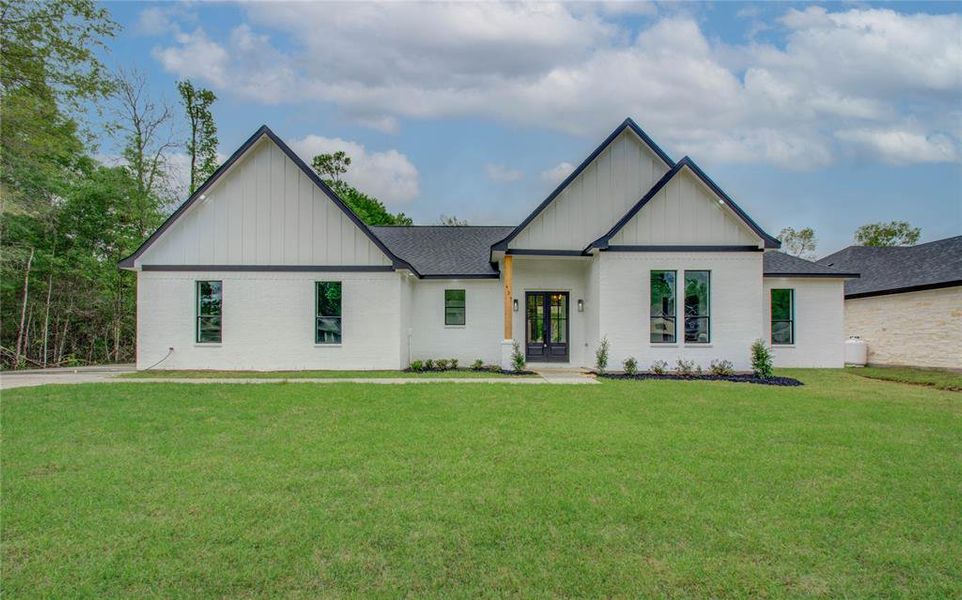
(722,368)
(601,355)
(684,367)
(630,365)
(429,365)
(761,360)
(659,367)
(477,365)
(698,370)
(454,364)
(517,358)
(441,364)
(417,366)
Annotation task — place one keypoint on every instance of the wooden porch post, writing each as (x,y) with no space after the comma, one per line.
(508,274)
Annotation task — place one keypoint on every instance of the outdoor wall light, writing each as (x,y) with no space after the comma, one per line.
(581,305)
(514,304)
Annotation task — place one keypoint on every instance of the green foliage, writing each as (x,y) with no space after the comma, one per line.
(477,365)
(800,243)
(601,355)
(630,365)
(722,368)
(202,141)
(517,358)
(894,233)
(368,208)
(454,364)
(762,365)
(659,367)
(331,166)
(685,367)
(441,364)
(452,221)
(429,365)
(417,366)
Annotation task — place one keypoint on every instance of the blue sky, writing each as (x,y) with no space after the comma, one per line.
(827,116)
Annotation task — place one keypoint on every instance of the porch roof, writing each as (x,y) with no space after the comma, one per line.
(448,252)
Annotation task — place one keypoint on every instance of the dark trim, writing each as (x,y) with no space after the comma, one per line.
(536,252)
(626,124)
(677,248)
(815,275)
(128,262)
(905,290)
(466,276)
(274,268)
(602,242)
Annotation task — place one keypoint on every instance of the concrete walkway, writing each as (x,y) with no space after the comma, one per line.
(11,379)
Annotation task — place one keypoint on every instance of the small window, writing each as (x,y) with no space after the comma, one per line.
(663,307)
(327,321)
(783,317)
(697,307)
(454,311)
(209,312)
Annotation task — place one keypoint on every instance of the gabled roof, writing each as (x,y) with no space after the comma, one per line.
(899,269)
(779,264)
(439,251)
(626,124)
(264,130)
(602,242)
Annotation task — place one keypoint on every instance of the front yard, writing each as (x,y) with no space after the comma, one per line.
(845,486)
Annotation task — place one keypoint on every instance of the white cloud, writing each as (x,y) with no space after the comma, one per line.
(502,174)
(388,176)
(571,68)
(895,146)
(557,173)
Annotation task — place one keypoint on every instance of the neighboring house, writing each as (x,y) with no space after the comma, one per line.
(263,267)
(907,305)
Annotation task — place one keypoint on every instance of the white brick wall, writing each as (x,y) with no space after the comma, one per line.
(819,337)
(478,338)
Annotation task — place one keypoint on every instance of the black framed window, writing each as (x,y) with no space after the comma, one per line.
(663,306)
(327,317)
(783,316)
(210,300)
(697,307)
(454,307)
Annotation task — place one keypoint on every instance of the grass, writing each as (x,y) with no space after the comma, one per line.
(844,487)
(937,378)
(460,373)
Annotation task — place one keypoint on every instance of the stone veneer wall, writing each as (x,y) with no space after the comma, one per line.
(922,329)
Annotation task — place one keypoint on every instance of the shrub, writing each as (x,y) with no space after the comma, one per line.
(441,364)
(601,355)
(417,366)
(761,360)
(685,367)
(454,364)
(477,365)
(517,358)
(722,368)
(659,367)
(429,365)
(630,365)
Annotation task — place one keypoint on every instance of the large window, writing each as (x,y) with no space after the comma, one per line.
(209,310)
(327,322)
(663,307)
(454,309)
(697,307)
(783,317)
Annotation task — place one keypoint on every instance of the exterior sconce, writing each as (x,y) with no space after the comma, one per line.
(514,304)
(581,305)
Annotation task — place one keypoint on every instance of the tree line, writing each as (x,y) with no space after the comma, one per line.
(802,242)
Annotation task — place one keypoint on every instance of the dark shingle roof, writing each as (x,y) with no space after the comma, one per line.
(777,264)
(900,269)
(436,250)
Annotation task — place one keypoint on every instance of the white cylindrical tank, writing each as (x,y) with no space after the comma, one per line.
(856,351)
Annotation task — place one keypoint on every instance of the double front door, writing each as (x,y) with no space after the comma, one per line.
(546,326)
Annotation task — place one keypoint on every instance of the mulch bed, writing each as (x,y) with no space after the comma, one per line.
(745,378)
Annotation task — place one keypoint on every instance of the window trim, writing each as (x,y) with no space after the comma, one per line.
(198,316)
(464,308)
(706,316)
(317,315)
(673,317)
(772,320)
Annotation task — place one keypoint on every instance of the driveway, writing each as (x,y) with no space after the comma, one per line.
(29,378)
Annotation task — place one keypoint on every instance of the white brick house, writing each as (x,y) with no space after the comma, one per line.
(265,268)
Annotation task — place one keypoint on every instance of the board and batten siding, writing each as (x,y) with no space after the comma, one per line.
(264,211)
(600,195)
(685,212)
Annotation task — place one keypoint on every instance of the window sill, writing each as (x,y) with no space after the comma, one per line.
(698,344)
(783,345)
(455,326)
(663,344)
(328,345)
(208,344)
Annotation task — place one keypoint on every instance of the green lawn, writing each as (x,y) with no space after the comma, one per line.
(845,487)
(460,373)
(939,378)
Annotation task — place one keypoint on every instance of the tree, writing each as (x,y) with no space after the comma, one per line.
(895,233)
(800,243)
(368,208)
(452,221)
(202,143)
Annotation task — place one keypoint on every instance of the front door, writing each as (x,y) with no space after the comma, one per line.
(546,326)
